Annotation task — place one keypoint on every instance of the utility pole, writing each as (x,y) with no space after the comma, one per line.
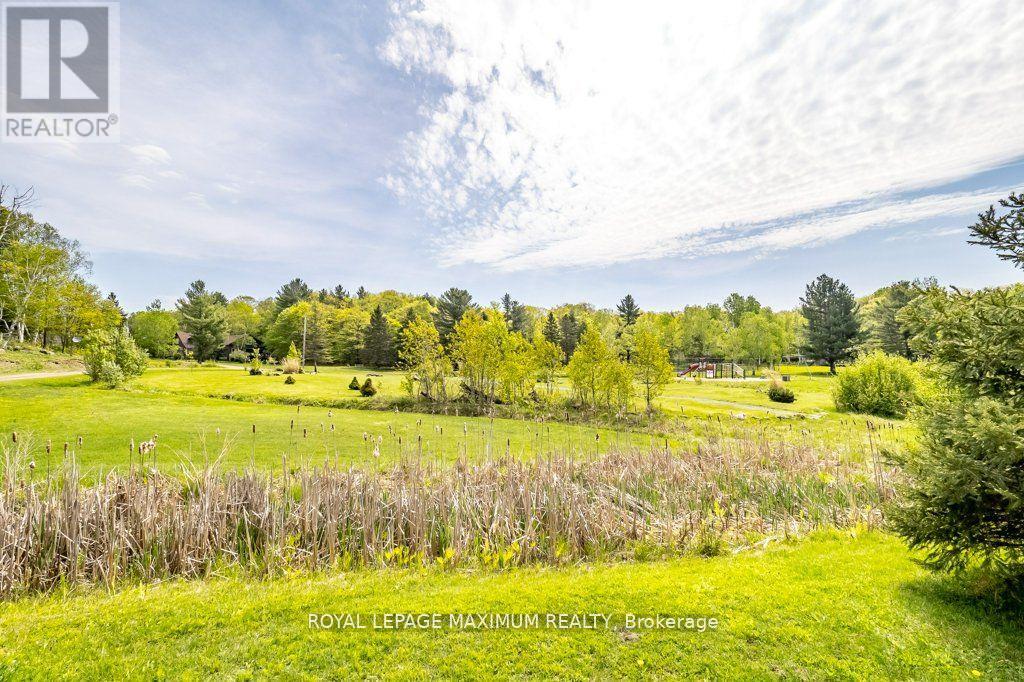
(303,342)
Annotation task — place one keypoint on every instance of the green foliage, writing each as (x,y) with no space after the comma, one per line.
(629,311)
(778,392)
(598,377)
(963,499)
(354,384)
(378,342)
(651,366)
(516,316)
(202,316)
(736,306)
(154,331)
(964,494)
(426,366)
(112,357)
(888,329)
(290,379)
(255,363)
(879,384)
(832,326)
(292,361)
(291,293)
(451,306)
(368,390)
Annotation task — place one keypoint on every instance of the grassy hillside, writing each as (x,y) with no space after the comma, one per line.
(30,359)
(833,606)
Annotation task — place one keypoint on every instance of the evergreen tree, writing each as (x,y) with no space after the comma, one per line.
(378,345)
(570,333)
(362,293)
(515,314)
(116,305)
(889,330)
(1004,233)
(451,306)
(832,326)
(552,333)
(203,318)
(340,293)
(318,336)
(629,311)
(291,293)
(961,492)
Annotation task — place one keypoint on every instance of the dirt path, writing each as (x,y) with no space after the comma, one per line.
(40,375)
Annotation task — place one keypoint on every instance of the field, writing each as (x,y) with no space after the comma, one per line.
(834,606)
(841,603)
(206,413)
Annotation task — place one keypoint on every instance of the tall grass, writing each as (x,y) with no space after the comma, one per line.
(147,525)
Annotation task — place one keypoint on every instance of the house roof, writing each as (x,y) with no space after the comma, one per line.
(185,339)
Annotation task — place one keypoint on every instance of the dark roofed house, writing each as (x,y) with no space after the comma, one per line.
(231,342)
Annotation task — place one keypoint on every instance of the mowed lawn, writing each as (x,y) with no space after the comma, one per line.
(196,428)
(833,606)
(684,397)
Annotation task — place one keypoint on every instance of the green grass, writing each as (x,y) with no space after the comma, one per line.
(833,606)
(749,396)
(329,385)
(61,410)
(29,359)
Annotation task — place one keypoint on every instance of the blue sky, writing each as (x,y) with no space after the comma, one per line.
(558,151)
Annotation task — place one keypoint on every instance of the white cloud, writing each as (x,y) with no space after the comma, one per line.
(588,134)
(150,153)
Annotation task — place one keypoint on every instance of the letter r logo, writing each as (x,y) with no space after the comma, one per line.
(57,59)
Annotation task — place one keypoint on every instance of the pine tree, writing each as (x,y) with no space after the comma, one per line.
(451,306)
(629,311)
(889,331)
(203,318)
(362,293)
(515,314)
(340,293)
(832,326)
(551,331)
(570,334)
(291,293)
(378,345)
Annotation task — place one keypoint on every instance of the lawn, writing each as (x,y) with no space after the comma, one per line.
(62,410)
(36,360)
(833,606)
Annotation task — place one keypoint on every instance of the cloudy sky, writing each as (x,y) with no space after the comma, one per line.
(559,151)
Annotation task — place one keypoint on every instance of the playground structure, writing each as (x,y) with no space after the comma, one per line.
(708,369)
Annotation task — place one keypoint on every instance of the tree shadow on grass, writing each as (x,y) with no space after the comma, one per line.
(969,601)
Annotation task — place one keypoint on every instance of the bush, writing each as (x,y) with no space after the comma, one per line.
(368,389)
(778,392)
(255,363)
(112,357)
(354,384)
(961,500)
(289,379)
(879,384)
(292,362)
(110,374)
(238,355)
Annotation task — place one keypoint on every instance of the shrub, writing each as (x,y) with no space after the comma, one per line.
(878,384)
(778,392)
(110,374)
(255,363)
(238,355)
(368,389)
(961,500)
(354,384)
(103,351)
(292,362)
(289,379)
